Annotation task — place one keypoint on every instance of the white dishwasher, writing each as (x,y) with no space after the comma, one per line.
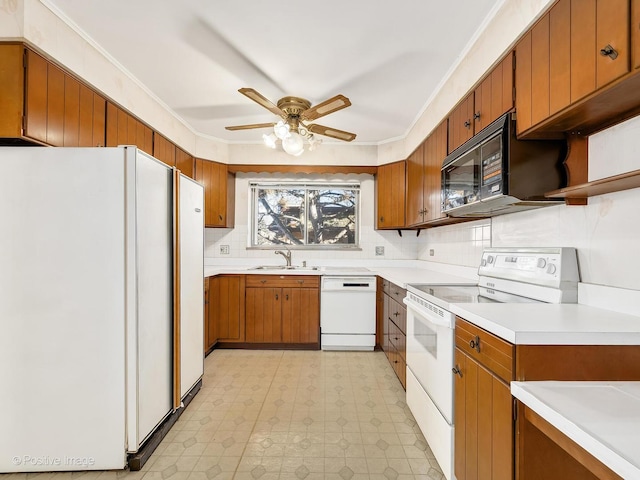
(348,313)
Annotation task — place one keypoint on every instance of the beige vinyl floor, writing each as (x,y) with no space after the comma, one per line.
(272,414)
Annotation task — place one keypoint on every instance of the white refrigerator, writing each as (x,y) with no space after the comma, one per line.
(101,315)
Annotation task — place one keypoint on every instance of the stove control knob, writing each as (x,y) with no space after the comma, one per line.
(483,262)
(490,259)
(551,269)
(542,262)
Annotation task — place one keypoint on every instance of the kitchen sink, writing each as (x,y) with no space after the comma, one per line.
(283,267)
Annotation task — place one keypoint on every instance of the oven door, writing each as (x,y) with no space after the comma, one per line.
(430,337)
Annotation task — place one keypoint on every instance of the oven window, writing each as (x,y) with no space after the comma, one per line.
(461,180)
(425,336)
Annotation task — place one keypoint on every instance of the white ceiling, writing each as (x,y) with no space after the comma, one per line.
(387,57)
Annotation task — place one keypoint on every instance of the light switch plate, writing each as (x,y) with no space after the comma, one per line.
(379,251)
(224,249)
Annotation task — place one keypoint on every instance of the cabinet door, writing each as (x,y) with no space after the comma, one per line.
(263,319)
(55,105)
(206,345)
(612,31)
(226,309)
(434,171)
(459,413)
(164,150)
(560,56)
(583,48)
(540,70)
(85,117)
(300,315)
(415,189)
(71,134)
(12,86)
(484,423)
(461,123)
(36,97)
(635,33)
(390,193)
(482,103)
(219,191)
(184,162)
(523,83)
(435,153)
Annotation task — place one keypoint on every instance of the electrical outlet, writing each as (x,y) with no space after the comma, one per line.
(431,252)
(379,251)
(224,249)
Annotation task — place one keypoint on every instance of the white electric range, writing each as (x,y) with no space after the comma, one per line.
(507,275)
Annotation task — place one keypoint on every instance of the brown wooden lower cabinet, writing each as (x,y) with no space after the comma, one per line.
(394,324)
(487,437)
(226,309)
(563,458)
(282,309)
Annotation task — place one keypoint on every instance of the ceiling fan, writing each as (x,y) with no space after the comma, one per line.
(292,129)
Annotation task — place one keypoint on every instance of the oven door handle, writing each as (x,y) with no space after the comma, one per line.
(430,317)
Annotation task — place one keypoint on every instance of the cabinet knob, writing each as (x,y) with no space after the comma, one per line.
(300,282)
(395,314)
(381,219)
(609,51)
(475,343)
(263,281)
(476,116)
(456,371)
(467,124)
(220,217)
(276,296)
(286,297)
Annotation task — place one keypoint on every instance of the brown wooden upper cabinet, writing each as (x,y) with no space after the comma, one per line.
(164,150)
(635,33)
(185,162)
(390,193)
(423,178)
(219,193)
(576,48)
(491,98)
(42,103)
(124,129)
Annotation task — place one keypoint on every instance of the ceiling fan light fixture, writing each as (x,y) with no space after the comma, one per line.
(282,130)
(313,142)
(270,140)
(293,144)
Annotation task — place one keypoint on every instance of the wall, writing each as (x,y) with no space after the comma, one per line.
(395,247)
(606,232)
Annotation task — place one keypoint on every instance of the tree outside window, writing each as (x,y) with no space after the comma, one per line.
(305,215)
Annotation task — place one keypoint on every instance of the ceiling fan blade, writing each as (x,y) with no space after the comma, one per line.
(331,132)
(248,127)
(325,108)
(261,100)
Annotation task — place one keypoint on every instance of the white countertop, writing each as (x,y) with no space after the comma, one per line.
(552,324)
(601,417)
(401,276)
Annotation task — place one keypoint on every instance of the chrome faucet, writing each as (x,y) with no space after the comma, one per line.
(287,256)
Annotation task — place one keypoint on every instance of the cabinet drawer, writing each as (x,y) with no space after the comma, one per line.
(386,286)
(396,292)
(399,340)
(290,281)
(495,354)
(398,314)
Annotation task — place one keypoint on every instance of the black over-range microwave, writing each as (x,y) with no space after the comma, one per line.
(495,173)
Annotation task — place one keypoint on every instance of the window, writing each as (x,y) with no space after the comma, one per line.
(305,215)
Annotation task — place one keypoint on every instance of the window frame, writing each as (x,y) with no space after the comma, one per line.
(255,185)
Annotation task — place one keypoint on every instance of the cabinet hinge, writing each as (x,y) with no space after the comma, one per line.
(24,58)
(515,410)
